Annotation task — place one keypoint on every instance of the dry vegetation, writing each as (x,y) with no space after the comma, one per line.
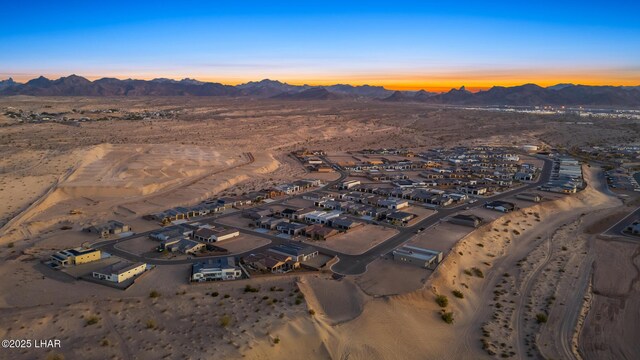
(505,285)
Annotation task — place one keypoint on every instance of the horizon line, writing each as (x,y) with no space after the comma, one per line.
(434,88)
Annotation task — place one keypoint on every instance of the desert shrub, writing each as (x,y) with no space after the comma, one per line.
(298,301)
(10,245)
(151,324)
(276,340)
(226,296)
(92,320)
(458,294)
(447,317)
(154,294)
(249,288)
(468,272)
(541,318)
(214,294)
(225,320)
(442,301)
(312,312)
(477,272)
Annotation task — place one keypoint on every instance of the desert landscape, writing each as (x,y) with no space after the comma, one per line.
(335,180)
(535,282)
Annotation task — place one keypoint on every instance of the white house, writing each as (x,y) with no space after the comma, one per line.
(349,184)
(321,217)
(216,270)
(393,203)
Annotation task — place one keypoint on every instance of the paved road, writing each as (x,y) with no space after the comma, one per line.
(357,264)
(616,230)
(348,264)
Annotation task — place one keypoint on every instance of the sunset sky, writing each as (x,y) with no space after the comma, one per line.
(400,45)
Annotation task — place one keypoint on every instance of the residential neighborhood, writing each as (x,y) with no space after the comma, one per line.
(380,197)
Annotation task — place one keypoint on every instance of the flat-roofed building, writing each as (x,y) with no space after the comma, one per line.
(218,269)
(346,185)
(529,197)
(393,203)
(110,228)
(75,256)
(502,206)
(298,252)
(321,217)
(120,271)
(400,217)
(414,255)
(466,220)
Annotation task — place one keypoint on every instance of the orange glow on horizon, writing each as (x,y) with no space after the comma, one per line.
(434,82)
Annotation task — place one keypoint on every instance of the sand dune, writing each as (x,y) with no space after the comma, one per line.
(409,326)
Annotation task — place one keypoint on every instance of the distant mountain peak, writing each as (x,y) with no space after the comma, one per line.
(522,95)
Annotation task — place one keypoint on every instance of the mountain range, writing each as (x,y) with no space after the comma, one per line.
(523,95)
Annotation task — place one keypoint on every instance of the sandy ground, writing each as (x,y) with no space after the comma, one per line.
(130,321)
(507,269)
(357,240)
(124,169)
(440,237)
(613,322)
(386,277)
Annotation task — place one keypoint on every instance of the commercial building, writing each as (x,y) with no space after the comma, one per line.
(414,255)
(120,271)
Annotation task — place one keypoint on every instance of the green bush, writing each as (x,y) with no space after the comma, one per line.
(447,317)
(225,320)
(541,318)
(92,320)
(442,301)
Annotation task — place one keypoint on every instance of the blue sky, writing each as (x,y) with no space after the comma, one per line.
(397,44)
